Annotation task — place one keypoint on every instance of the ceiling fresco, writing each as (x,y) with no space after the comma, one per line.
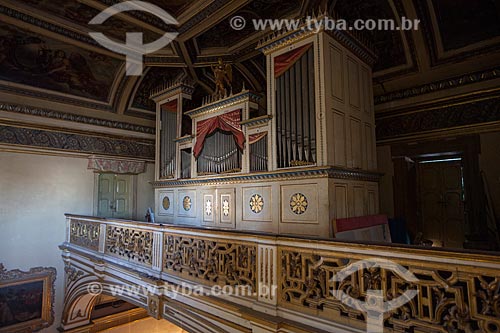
(71,65)
(31,59)
(81,14)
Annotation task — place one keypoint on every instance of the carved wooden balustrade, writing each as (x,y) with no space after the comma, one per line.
(457,292)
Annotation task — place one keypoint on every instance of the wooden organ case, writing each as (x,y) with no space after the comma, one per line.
(309,158)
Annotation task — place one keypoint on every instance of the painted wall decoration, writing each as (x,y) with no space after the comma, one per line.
(76,142)
(26,299)
(35,60)
(467,114)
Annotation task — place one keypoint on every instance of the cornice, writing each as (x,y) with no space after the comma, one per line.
(40,112)
(262,120)
(463,115)
(76,142)
(454,82)
(327,172)
(228,101)
(280,39)
(56,98)
(183,139)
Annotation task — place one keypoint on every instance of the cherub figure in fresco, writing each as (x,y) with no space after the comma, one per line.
(74,71)
(223,76)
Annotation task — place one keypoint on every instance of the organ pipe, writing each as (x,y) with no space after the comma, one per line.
(220,154)
(296,115)
(168,146)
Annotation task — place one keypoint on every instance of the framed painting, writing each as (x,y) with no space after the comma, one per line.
(26,299)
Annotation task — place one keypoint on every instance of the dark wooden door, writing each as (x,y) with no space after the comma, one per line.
(441,202)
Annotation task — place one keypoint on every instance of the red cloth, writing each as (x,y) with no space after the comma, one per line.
(283,62)
(229,122)
(354,223)
(170,106)
(256,137)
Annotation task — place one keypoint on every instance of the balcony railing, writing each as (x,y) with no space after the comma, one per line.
(455,291)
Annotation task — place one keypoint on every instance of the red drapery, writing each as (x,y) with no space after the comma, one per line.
(256,137)
(283,62)
(229,122)
(170,106)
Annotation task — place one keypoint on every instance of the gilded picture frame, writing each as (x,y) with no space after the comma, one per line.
(26,299)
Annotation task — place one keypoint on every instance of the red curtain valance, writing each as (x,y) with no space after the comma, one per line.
(170,106)
(256,137)
(229,122)
(283,62)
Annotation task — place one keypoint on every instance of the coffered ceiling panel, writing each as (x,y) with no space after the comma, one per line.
(465,22)
(388,45)
(222,35)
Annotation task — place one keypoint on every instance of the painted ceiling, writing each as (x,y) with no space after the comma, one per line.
(45,45)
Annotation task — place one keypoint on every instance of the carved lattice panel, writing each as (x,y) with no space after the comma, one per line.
(448,300)
(130,244)
(85,234)
(211,262)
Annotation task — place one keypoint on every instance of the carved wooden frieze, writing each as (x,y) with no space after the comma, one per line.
(211,262)
(85,234)
(447,300)
(130,244)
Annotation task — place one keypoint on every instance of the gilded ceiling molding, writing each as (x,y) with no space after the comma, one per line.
(430,38)
(34,111)
(56,98)
(461,115)
(76,142)
(85,38)
(119,166)
(453,82)
(207,12)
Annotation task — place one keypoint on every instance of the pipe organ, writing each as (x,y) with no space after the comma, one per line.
(309,159)
(295,112)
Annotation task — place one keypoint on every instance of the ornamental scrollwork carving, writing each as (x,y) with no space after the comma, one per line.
(134,245)
(447,301)
(85,234)
(211,262)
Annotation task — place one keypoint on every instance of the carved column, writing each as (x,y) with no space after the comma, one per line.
(267,279)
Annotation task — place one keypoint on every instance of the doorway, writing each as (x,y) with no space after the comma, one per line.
(115,195)
(441,201)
